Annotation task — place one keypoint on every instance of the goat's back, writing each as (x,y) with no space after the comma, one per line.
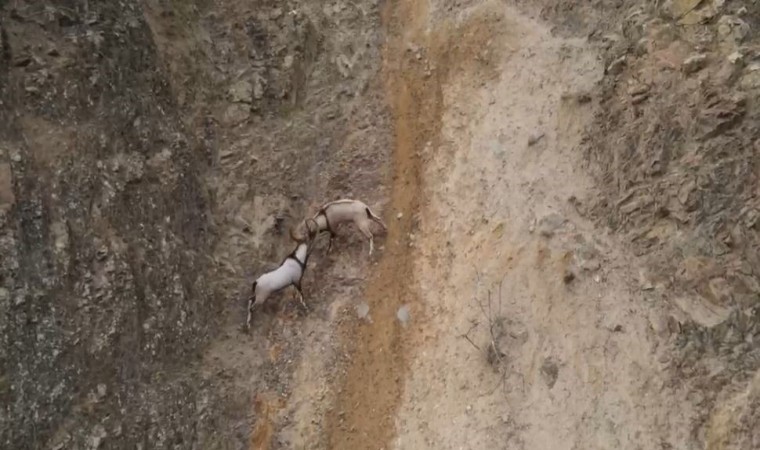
(344,210)
(289,272)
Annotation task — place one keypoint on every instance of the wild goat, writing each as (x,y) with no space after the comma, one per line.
(339,211)
(289,273)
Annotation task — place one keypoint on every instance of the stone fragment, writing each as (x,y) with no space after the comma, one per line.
(617,65)
(548,225)
(694,63)
(736,57)
(241,92)
(549,372)
(7,198)
(235,114)
(751,77)
(534,138)
(732,30)
(99,433)
(362,310)
(403,315)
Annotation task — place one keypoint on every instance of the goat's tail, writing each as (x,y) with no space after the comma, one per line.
(372,216)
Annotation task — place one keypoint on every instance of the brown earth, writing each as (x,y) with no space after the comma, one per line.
(571,191)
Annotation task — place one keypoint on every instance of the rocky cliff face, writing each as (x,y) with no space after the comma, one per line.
(103,230)
(143,147)
(153,154)
(675,152)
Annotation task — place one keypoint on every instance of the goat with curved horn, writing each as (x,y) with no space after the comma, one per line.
(331,214)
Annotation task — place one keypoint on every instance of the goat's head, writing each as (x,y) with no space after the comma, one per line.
(305,231)
(301,233)
(312,226)
(297,233)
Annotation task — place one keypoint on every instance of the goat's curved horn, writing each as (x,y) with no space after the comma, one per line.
(308,226)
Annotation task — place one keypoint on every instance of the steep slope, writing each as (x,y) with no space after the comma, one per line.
(104,225)
(553,306)
(571,194)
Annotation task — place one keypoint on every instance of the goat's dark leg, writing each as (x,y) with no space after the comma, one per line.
(364,228)
(330,243)
(248,320)
(300,295)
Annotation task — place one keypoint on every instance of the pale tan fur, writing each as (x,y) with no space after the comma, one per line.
(331,214)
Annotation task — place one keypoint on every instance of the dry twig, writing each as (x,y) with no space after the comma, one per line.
(493,316)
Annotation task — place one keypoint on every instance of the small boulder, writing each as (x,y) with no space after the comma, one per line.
(362,310)
(694,63)
(751,78)
(550,372)
(732,30)
(241,92)
(617,66)
(403,315)
(549,224)
(236,114)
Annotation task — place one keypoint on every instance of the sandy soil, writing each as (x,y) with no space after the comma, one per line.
(493,107)
(527,324)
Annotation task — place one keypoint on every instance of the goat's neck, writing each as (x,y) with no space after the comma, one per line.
(321,220)
(301,253)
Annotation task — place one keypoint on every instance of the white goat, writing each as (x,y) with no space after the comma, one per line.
(289,273)
(339,211)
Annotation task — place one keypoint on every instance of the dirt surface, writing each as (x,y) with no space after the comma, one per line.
(571,193)
(515,233)
(364,413)
(571,350)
